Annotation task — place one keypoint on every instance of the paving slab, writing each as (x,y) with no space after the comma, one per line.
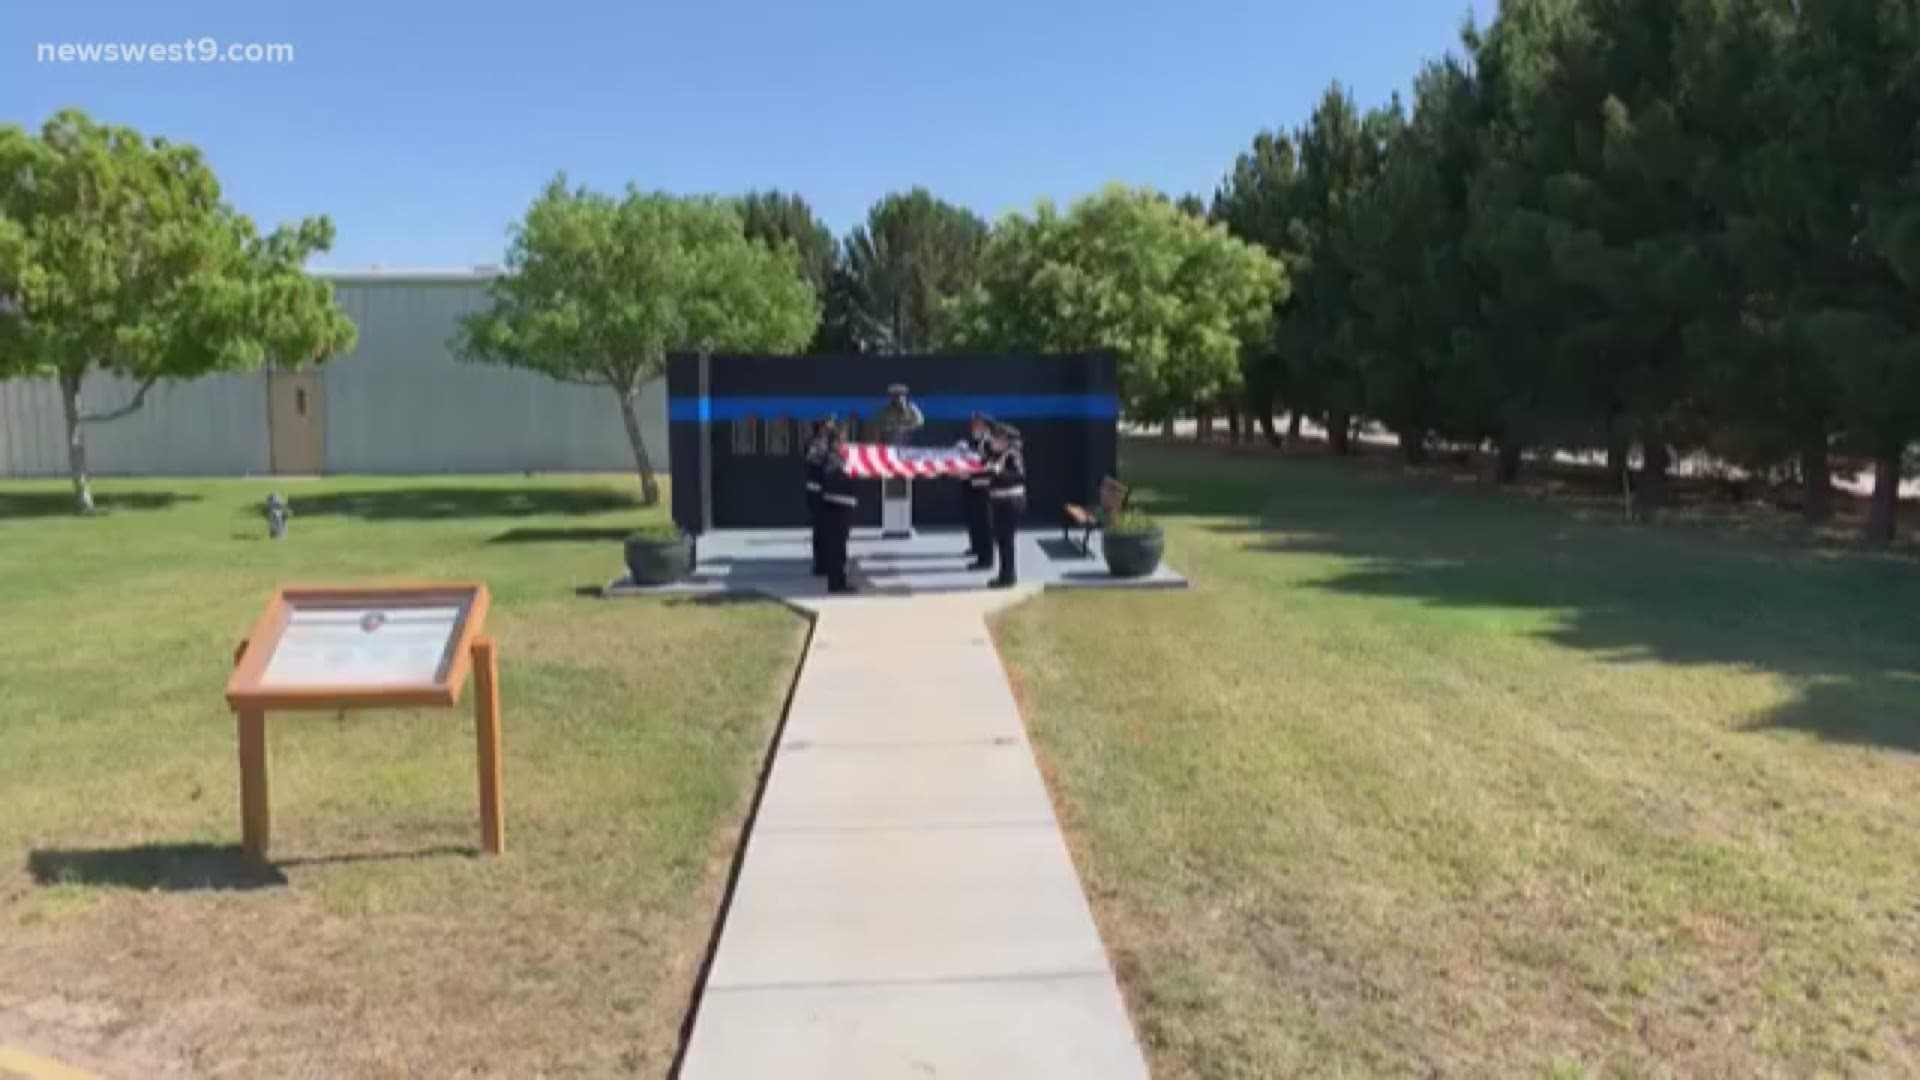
(907,905)
(950,723)
(894,787)
(1015,1028)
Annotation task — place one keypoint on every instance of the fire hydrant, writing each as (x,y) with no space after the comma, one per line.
(278,512)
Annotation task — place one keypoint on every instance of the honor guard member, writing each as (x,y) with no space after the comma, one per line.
(837,503)
(974,496)
(1007,492)
(816,473)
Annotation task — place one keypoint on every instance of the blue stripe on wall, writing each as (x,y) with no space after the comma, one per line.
(935,406)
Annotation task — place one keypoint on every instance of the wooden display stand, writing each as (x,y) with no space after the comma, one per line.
(365,648)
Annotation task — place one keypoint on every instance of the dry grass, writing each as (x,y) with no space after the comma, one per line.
(133,941)
(1424,781)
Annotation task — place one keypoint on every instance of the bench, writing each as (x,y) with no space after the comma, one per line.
(1113,503)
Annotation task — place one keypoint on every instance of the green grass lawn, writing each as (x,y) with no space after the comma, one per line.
(1422,779)
(130,938)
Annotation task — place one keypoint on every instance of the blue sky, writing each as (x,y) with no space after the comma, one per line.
(423,129)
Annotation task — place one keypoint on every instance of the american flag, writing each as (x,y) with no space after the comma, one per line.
(868,461)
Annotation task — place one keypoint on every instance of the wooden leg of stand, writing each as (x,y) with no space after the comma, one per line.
(256,803)
(256,811)
(486,724)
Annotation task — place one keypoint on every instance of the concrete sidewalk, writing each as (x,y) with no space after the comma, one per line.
(907,906)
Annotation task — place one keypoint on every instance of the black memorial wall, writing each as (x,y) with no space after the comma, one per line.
(738,428)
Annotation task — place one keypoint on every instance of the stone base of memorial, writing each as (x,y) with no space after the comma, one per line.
(896,509)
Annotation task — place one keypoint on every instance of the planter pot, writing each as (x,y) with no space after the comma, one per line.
(659,560)
(1133,554)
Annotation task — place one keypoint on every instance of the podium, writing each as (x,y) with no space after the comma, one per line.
(896,509)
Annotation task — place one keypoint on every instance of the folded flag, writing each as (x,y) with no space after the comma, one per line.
(869,461)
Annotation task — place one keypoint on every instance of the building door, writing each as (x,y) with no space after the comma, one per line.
(296,420)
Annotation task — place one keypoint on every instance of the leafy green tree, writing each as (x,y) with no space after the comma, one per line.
(914,254)
(1682,224)
(1413,286)
(1863,111)
(1858,110)
(1630,235)
(117,255)
(1816,331)
(774,218)
(1179,299)
(1257,203)
(1767,390)
(1502,385)
(600,289)
(1321,333)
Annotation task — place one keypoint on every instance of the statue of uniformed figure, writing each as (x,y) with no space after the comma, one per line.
(894,425)
(897,422)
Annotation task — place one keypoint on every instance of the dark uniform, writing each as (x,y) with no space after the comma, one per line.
(1007,491)
(816,474)
(974,499)
(837,503)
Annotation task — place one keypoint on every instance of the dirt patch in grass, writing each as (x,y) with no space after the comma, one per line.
(133,941)
(279,985)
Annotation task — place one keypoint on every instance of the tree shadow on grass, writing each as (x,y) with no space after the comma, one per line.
(1841,628)
(583,534)
(439,503)
(43,504)
(166,867)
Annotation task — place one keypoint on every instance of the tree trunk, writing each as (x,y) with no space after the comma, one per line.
(76,441)
(1618,447)
(1816,479)
(1267,426)
(1884,513)
(1507,462)
(1260,402)
(1655,460)
(1236,427)
(1203,423)
(1413,447)
(1338,441)
(649,485)
(1168,429)
(1293,426)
